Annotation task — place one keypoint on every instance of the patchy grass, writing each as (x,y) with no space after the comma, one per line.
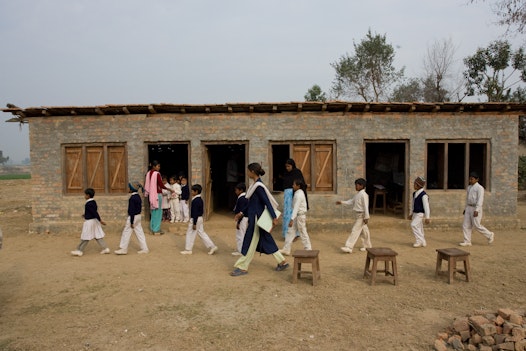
(15,176)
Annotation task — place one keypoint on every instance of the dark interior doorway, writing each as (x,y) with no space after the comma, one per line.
(280,154)
(222,158)
(385,169)
(173,158)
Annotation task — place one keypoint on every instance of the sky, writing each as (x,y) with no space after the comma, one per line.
(97,52)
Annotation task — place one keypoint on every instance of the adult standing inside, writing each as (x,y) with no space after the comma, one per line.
(153,188)
(291,173)
(473,211)
(257,239)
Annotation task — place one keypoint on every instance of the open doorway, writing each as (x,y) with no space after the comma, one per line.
(224,168)
(173,158)
(385,171)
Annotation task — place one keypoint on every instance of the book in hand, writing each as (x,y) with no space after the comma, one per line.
(265,220)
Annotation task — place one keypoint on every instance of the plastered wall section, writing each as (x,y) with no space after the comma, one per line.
(54,211)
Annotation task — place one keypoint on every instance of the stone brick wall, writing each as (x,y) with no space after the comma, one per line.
(52,209)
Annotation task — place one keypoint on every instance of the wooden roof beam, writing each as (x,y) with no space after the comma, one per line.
(366,108)
(347,108)
(125,110)
(151,109)
(299,108)
(99,111)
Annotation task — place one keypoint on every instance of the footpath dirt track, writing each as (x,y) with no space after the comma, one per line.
(167,301)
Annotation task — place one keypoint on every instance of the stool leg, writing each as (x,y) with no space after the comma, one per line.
(295,272)
(395,271)
(366,269)
(373,271)
(439,264)
(314,271)
(452,267)
(467,268)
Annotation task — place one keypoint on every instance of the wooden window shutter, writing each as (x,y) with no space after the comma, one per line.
(323,167)
(95,167)
(74,170)
(117,169)
(301,155)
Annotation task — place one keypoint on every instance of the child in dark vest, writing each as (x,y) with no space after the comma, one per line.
(419,212)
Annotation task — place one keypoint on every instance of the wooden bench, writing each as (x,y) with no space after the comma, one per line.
(306,256)
(378,254)
(452,256)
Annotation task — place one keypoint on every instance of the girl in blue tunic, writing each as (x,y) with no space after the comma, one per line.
(257,239)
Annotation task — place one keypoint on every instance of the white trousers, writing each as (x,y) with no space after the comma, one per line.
(199,230)
(471,222)
(240,233)
(417,225)
(299,225)
(358,228)
(185,214)
(137,229)
(175,210)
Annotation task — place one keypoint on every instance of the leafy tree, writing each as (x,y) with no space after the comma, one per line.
(511,13)
(494,71)
(315,94)
(2,158)
(408,91)
(369,73)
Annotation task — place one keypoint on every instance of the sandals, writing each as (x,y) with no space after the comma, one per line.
(282,267)
(237,272)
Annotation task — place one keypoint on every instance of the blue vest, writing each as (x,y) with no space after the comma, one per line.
(418,204)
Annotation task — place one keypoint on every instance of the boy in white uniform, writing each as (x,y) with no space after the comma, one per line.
(418,211)
(473,211)
(360,206)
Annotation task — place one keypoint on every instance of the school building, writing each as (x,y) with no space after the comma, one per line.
(389,144)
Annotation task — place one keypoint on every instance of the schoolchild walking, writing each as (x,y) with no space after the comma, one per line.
(91,229)
(241,223)
(360,207)
(419,212)
(473,211)
(133,222)
(298,219)
(195,226)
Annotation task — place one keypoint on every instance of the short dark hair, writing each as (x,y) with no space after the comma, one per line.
(197,188)
(90,192)
(360,181)
(242,187)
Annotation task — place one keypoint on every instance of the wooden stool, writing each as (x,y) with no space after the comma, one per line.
(452,256)
(306,256)
(383,194)
(380,254)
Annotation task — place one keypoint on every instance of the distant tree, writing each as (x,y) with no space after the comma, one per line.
(438,67)
(495,71)
(315,94)
(2,158)
(409,91)
(511,13)
(369,73)
(26,161)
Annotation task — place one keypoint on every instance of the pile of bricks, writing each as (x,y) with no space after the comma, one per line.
(485,331)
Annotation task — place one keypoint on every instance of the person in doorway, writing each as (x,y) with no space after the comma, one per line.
(232,178)
(175,197)
(298,220)
(360,206)
(167,194)
(185,197)
(133,222)
(473,211)
(257,239)
(419,212)
(153,187)
(241,223)
(195,227)
(91,229)
(291,173)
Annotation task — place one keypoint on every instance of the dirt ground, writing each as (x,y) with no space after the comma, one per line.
(50,300)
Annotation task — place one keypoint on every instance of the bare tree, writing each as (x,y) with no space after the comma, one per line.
(511,13)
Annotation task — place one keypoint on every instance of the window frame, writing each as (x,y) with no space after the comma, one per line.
(102,166)
(486,159)
(312,179)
